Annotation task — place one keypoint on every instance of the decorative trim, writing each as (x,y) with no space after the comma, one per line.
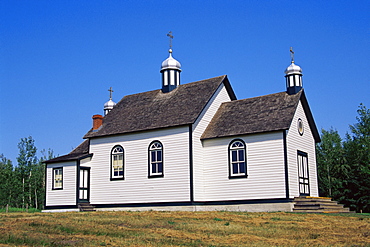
(53,178)
(309,117)
(61,207)
(303,154)
(150,164)
(78,165)
(199,203)
(300,126)
(191,175)
(286,170)
(88,184)
(111,164)
(231,175)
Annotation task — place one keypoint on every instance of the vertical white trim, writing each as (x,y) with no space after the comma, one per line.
(172,77)
(165,78)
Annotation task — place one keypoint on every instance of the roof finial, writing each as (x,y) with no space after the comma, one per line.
(292,54)
(110,93)
(171,37)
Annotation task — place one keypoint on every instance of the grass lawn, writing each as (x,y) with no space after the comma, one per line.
(152,228)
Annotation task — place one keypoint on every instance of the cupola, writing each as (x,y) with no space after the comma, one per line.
(108,106)
(170,70)
(293,75)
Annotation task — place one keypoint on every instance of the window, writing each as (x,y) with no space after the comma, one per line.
(58,178)
(156,159)
(117,163)
(237,159)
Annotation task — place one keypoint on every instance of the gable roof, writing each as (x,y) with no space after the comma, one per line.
(155,109)
(80,152)
(271,112)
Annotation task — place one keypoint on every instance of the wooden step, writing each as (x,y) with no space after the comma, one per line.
(86,207)
(318,205)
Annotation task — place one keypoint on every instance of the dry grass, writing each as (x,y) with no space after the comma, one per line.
(183,229)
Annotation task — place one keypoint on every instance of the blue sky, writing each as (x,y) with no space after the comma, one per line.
(59,58)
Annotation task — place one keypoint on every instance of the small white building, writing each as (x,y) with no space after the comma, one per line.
(192,147)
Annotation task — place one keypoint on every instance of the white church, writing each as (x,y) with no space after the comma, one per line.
(193,147)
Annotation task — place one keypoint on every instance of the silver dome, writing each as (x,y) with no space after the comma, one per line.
(171,63)
(293,69)
(109,104)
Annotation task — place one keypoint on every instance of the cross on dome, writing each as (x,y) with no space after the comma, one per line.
(108,106)
(292,54)
(110,92)
(171,38)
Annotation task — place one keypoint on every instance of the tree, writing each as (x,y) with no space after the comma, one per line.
(6,184)
(357,147)
(27,161)
(331,164)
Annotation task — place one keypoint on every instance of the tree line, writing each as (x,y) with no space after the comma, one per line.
(23,186)
(343,167)
(344,164)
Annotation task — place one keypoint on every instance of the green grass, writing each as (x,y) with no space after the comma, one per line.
(18,210)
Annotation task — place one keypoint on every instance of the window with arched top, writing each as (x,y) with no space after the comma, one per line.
(155,159)
(117,163)
(237,159)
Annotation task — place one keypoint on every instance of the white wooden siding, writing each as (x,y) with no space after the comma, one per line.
(199,127)
(304,143)
(265,169)
(137,187)
(85,162)
(67,195)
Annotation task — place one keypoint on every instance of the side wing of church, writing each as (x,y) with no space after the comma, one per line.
(192,147)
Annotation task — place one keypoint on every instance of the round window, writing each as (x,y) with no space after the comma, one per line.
(300,126)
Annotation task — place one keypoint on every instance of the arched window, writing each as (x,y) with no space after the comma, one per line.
(117,160)
(237,159)
(155,159)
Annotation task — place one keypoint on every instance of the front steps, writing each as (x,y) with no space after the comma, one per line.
(308,204)
(85,207)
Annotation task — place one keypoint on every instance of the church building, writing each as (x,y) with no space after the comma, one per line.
(192,146)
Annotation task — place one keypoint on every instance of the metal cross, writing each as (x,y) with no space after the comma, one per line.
(171,37)
(292,54)
(110,92)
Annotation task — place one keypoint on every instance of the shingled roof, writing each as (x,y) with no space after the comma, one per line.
(271,112)
(80,152)
(155,109)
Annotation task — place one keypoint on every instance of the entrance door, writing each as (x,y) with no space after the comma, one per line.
(84,187)
(304,186)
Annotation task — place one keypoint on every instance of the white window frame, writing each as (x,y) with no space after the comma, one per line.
(156,164)
(117,162)
(237,159)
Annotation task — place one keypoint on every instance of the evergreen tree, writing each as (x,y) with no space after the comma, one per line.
(357,147)
(6,184)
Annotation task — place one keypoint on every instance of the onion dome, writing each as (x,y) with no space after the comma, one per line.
(293,78)
(108,106)
(170,70)
(293,69)
(170,63)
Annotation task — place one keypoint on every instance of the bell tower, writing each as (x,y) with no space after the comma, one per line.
(170,70)
(293,76)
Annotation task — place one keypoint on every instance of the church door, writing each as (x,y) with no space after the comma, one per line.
(84,186)
(304,186)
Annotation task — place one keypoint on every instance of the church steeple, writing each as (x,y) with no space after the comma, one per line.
(170,70)
(293,76)
(108,106)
